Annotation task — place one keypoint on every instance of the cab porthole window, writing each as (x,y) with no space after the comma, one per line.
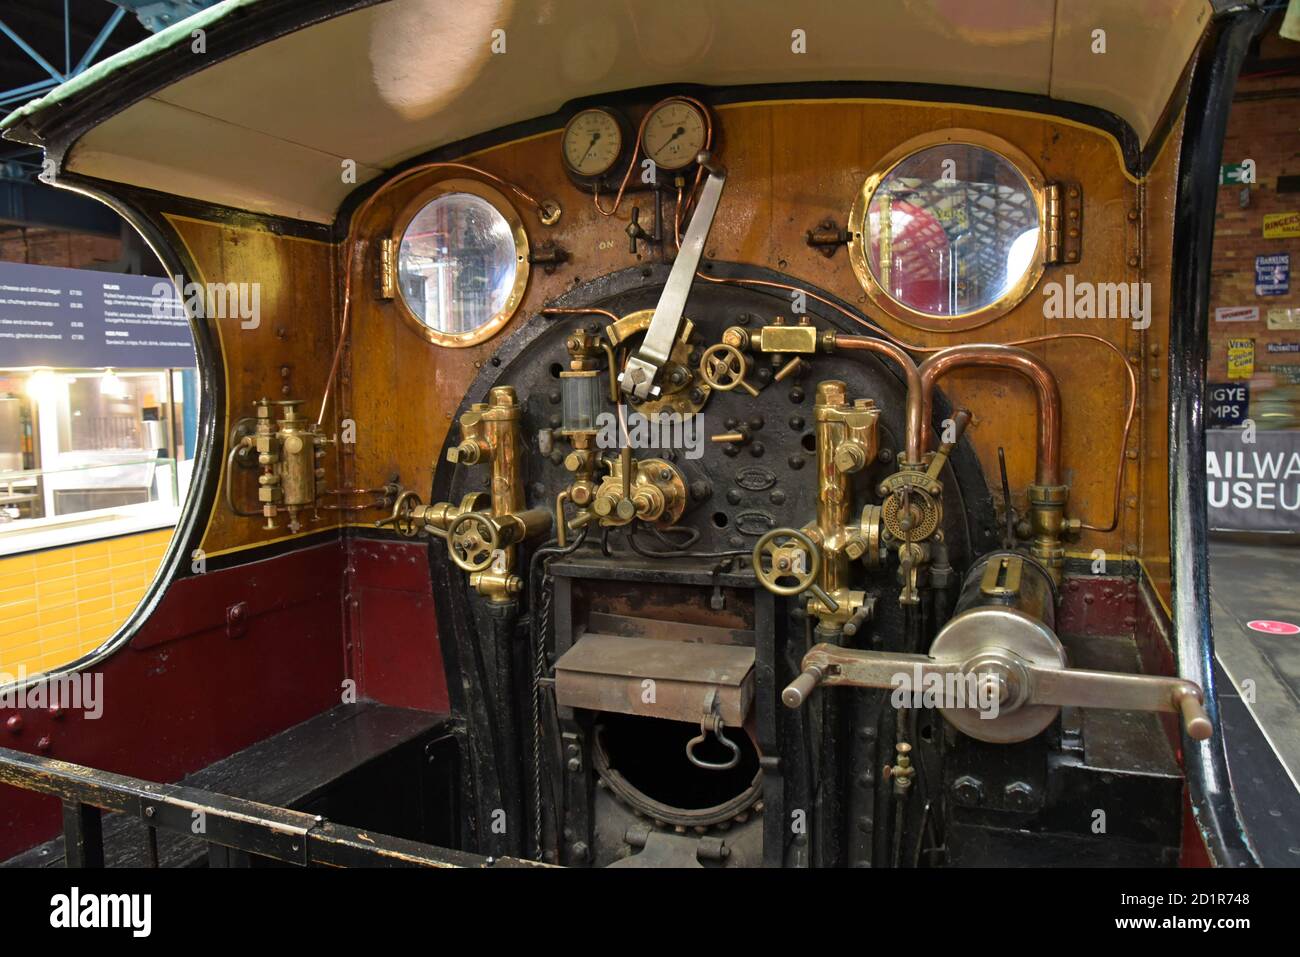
(948,232)
(462,262)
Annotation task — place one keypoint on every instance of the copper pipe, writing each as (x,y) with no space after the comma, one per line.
(1048,465)
(915,409)
(636,152)
(586,311)
(1120,469)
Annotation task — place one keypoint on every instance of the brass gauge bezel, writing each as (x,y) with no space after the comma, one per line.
(859,245)
(620,125)
(499,319)
(705,122)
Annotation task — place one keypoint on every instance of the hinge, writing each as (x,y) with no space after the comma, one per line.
(386,270)
(1064,217)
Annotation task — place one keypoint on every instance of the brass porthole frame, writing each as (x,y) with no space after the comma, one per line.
(503,206)
(859,244)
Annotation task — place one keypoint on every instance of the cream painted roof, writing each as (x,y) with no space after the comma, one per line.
(267,130)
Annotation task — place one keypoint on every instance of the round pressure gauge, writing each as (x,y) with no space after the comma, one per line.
(675,132)
(592,142)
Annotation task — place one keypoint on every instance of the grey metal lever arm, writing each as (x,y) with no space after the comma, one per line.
(1021,683)
(642,370)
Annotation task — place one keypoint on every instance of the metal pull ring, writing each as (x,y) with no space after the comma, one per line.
(711,723)
(712,726)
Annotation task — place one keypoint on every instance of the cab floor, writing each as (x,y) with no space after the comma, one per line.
(1259,689)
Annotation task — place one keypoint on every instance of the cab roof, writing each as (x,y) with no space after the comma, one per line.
(282,93)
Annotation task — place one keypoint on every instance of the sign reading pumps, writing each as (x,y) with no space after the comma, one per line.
(77,319)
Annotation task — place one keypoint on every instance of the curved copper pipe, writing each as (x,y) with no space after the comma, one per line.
(915,391)
(1048,466)
(1031,340)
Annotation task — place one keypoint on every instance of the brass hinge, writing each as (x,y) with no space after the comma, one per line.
(1064,217)
(386,270)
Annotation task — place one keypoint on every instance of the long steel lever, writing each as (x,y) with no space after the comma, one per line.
(640,374)
(1018,684)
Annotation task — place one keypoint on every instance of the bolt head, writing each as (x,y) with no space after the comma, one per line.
(968,790)
(1019,796)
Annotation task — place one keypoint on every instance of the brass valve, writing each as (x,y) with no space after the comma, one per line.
(482,530)
(289,450)
(789,562)
(724,367)
(651,490)
(912,512)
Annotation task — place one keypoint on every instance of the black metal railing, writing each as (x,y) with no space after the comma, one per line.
(233,828)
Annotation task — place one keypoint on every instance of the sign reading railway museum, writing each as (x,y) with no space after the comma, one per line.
(1254,486)
(78,318)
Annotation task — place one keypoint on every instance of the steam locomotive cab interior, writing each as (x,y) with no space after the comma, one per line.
(707,461)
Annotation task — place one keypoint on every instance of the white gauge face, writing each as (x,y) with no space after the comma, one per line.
(592,142)
(674,134)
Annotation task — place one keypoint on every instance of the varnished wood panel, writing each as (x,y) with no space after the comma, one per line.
(791,165)
(1160,191)
(287,355)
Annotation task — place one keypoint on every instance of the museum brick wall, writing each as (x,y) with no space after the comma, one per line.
(1264,126)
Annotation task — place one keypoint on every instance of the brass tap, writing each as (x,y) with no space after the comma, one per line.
(289,450)
(652,490)
(483,529)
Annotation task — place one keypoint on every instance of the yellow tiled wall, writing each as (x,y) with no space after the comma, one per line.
(58,604)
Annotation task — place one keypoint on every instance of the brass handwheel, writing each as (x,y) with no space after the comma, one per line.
(776,559)
(402,517)
(472,540)
(723,367)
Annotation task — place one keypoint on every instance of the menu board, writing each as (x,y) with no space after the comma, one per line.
(78,318)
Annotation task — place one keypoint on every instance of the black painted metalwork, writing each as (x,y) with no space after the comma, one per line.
(1210,97)
(234,826)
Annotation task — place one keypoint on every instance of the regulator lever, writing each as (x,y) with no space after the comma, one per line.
(641,372)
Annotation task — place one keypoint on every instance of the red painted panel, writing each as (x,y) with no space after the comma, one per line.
(184,693)
(395,651)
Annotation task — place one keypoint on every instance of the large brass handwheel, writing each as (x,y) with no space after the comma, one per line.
(472,540)
(776,559)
